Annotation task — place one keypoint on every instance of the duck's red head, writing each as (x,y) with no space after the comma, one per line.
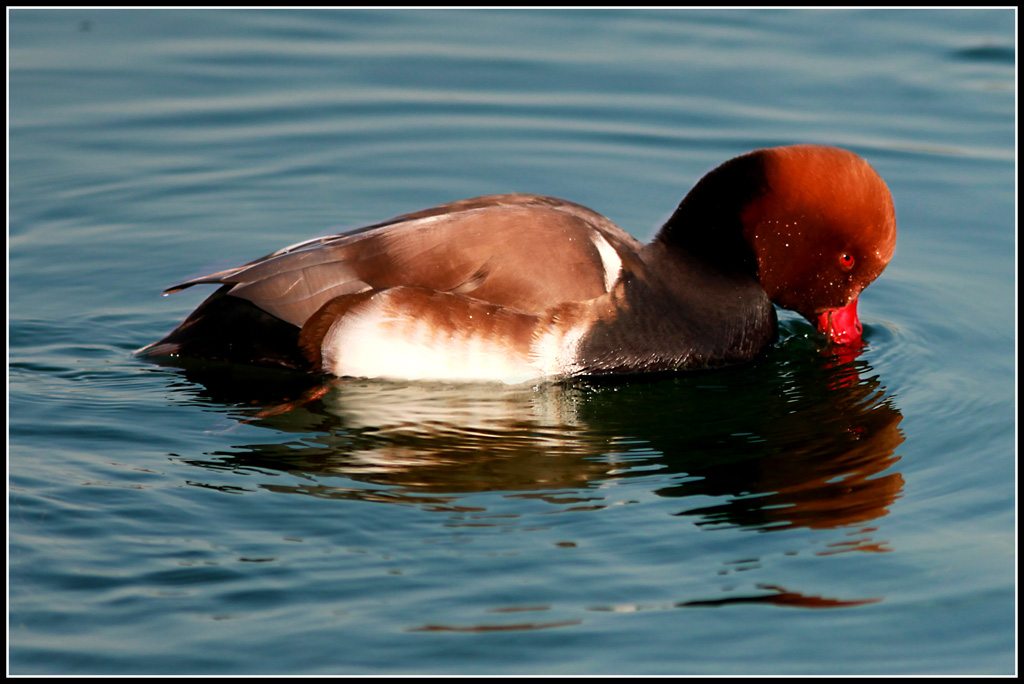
(822,227)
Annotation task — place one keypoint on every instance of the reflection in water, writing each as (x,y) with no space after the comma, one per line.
(812,454)
(796,440)
(781,597)
(498,627)
(774,595)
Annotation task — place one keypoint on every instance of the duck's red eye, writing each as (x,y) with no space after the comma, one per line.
(846,260)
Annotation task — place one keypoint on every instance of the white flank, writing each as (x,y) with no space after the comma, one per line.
(372,342)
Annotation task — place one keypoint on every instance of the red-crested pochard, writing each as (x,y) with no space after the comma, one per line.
(519,287)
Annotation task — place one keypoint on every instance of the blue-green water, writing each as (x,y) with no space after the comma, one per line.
(804,514)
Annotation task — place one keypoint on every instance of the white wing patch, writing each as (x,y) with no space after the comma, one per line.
(609,258)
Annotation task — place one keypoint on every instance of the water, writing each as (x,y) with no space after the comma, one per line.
(804,514)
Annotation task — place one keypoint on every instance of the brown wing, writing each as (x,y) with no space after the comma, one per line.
(521,251)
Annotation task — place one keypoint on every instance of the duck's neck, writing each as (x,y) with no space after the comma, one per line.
(698,302)
(708,223)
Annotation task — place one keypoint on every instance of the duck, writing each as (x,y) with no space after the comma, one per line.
(517,288)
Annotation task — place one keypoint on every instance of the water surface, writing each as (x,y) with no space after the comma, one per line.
(805,514)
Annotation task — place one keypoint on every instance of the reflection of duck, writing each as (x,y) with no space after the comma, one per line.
(519,287)
(812,451)
(795,440)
